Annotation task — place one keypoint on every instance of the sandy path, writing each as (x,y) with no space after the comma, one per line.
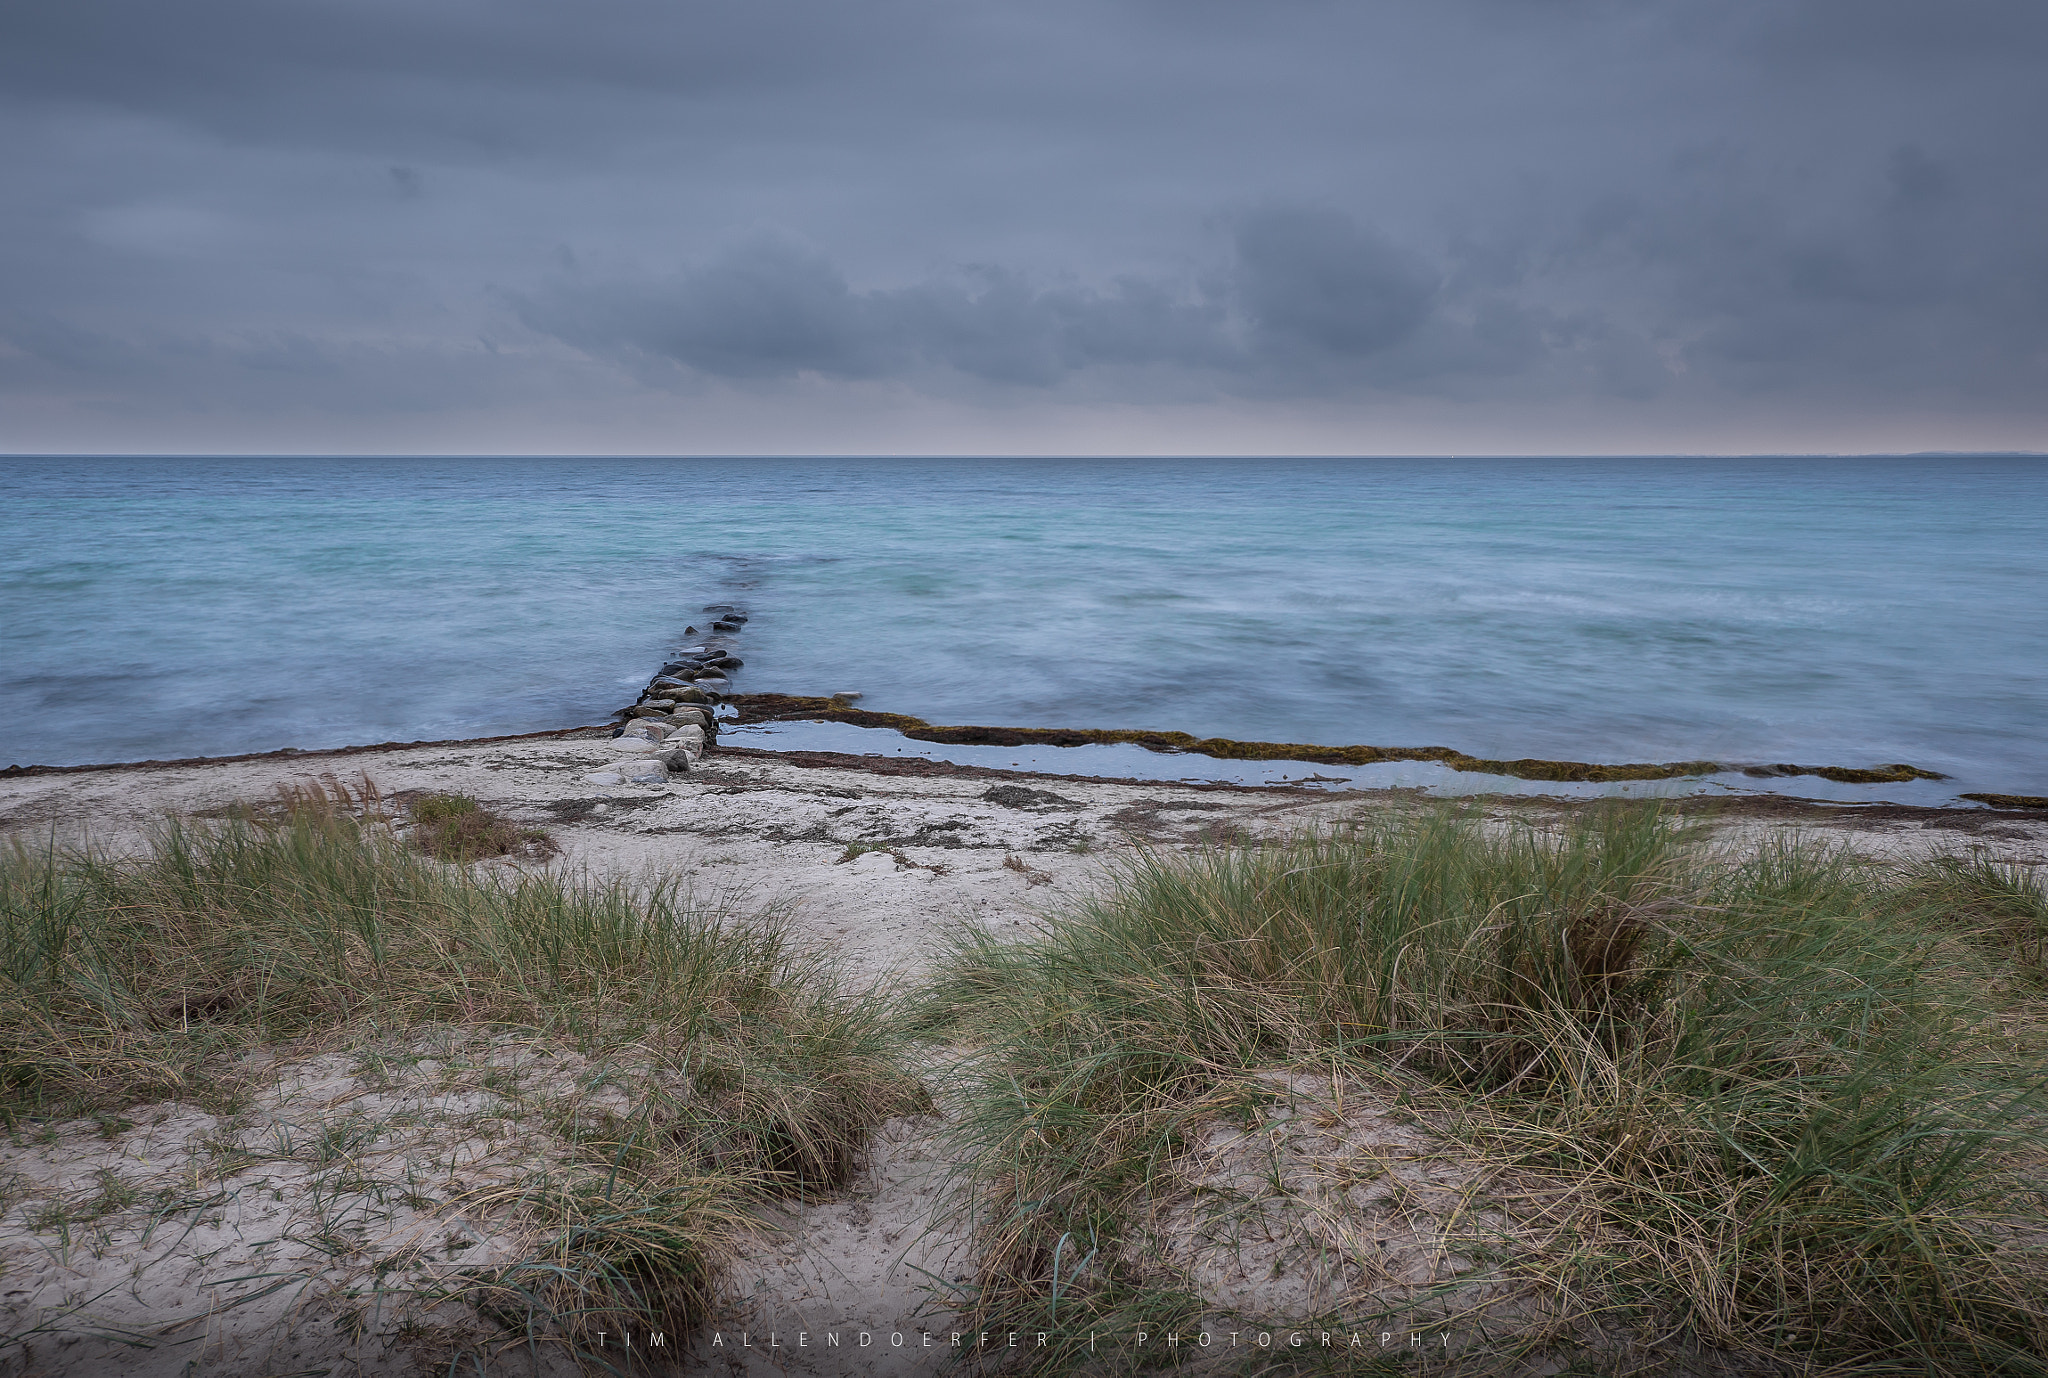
(208,1209)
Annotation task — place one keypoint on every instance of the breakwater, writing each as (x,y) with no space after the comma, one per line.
(675,719)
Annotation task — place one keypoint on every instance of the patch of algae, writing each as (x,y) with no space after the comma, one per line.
(759,708)
(1895,774)
(2010,801)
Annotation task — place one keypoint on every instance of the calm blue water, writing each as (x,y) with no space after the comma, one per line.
(1819,611)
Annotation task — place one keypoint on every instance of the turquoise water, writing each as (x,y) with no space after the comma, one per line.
(1841,612)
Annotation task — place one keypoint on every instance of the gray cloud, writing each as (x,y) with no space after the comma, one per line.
(1319,284)
(763,310)
(767,309)
(1304,292)
(1823,208)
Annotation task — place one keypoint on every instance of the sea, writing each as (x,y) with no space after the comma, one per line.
(1753,611)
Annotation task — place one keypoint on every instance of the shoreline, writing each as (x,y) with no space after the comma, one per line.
(1980,802)
(287,753)
(208,783)
(686,705)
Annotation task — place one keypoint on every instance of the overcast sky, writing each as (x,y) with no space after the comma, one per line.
(1037,226)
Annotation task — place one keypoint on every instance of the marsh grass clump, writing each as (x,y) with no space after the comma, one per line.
(1997,905)
(125,981)
(615,1255)
(1761,1110)
(455,827)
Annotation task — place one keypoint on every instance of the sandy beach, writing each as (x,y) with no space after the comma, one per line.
(207,1248)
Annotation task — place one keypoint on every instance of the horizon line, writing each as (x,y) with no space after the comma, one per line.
(1011,456)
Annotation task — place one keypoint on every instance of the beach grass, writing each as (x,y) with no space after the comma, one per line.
(747,1073)
(456,827)
(1632,1103)
(1997,905)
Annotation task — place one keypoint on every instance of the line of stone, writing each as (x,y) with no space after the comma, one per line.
(675,720)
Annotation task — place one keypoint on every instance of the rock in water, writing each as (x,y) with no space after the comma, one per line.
(691,678)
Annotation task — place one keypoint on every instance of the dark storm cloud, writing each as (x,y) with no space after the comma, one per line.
(765,310)
(1304,289)
(346,206)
